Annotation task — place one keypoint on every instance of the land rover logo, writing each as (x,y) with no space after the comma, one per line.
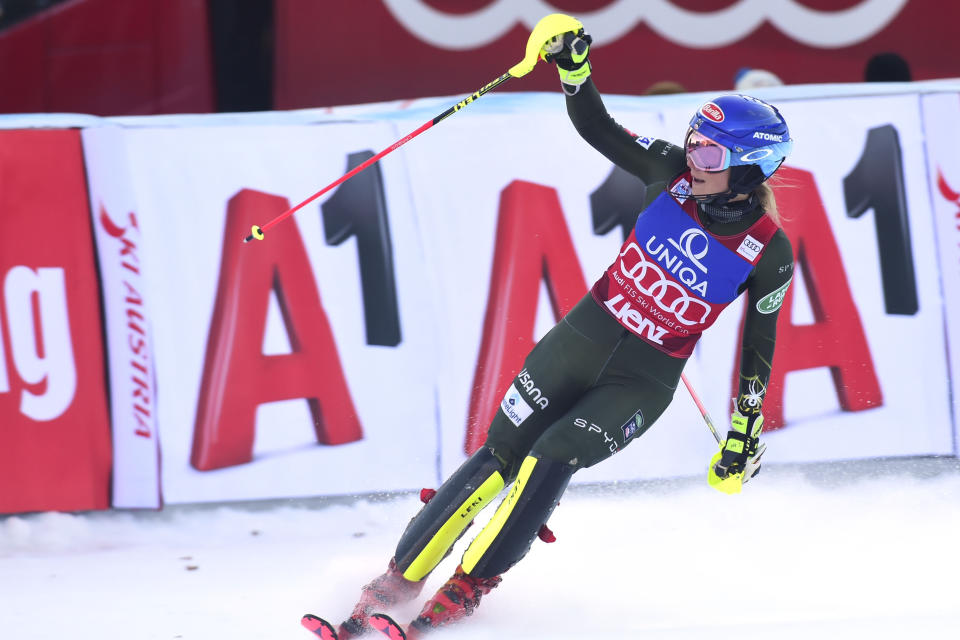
(772,301)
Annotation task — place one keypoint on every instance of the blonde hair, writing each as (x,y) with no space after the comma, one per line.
(768,202)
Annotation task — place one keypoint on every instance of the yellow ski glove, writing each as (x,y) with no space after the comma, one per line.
(569,51)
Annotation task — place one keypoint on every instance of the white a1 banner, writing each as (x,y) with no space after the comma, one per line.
(266,350)
(859,166)
(365,344)
(941,112)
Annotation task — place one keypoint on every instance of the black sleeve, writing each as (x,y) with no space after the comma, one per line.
(654,161)
(766,288)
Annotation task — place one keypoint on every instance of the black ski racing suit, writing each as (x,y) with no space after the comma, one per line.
(605,384)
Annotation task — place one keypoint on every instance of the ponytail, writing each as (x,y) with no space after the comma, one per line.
(768,202)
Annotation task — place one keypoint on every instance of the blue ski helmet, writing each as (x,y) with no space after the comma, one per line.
(750,136)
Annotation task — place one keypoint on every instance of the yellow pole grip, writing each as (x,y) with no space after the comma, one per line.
(549,26)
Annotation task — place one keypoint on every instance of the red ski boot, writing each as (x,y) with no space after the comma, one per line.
(383,592)
(455,600)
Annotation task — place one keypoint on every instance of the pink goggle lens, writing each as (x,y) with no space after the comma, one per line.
(705,154)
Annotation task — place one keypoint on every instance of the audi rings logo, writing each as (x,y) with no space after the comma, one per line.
(650,280)
(701,29)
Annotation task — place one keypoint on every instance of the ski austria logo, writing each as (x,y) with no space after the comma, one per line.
(515,407)
(712,112)
(949,194)
(947,191)
(772,301)
(607,24)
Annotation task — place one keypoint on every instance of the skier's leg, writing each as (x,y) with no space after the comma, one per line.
(440,523)
(543,391)
(604,421)
(502,541)
(528,505)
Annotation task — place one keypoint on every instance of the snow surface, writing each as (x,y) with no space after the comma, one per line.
(803,553)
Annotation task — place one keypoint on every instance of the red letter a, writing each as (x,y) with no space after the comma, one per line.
(236,375)
(836,339)
(532,243)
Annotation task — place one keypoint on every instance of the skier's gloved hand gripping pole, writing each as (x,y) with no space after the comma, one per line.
(739,457)
(548,28)
(569,52)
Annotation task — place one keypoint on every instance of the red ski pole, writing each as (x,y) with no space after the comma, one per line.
(552,25)
(257,231)
(703,409)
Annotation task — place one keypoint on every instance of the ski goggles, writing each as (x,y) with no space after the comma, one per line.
(705,154)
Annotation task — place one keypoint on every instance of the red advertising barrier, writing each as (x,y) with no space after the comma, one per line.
(56,452)
(109,57)
(392,49)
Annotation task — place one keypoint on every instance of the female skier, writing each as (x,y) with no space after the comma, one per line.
(706,234)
